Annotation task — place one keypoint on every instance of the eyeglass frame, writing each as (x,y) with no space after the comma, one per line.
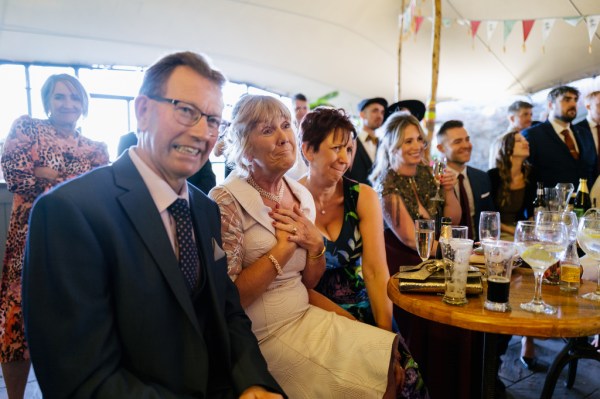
(221,124)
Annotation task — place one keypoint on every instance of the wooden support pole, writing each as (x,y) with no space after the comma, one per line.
(435,68)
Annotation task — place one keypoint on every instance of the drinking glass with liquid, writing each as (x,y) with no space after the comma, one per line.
(424,237)
(499,257)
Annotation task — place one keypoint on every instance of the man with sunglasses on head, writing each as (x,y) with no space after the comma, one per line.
(125,290)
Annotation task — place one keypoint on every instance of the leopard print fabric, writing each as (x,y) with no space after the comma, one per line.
(33,143)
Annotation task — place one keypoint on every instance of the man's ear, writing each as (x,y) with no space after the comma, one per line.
(440,148)
(142,112)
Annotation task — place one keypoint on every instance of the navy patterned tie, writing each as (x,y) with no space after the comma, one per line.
(188,253)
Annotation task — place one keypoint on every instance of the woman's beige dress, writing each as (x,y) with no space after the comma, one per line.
(311,353)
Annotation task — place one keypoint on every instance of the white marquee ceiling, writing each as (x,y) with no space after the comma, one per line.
(313,46)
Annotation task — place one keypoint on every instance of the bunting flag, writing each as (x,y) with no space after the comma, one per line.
(407,18)
(573,21)
(508,27)
(547,25)
(527,25)
(592,23)
(412,21)
(491,28)
(474,26)
(418,22)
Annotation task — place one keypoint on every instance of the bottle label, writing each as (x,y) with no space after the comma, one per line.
(570,273)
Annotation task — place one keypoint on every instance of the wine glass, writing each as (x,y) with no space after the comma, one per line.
(439,167)
(540,245)
(569,218)
(588,237)
(424,232)
(564,191)
(489,226)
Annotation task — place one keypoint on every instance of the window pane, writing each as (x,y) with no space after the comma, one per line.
(12,80)
(113,82)
(37,77)
(106,122)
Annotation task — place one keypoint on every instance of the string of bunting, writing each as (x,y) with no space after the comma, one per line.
(415,22)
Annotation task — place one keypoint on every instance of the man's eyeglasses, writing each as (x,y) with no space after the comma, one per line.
(189,115)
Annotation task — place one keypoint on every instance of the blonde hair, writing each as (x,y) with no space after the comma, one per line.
(393,137)
(249,111)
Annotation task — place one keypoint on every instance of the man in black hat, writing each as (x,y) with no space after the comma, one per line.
(415,107)
(372,111)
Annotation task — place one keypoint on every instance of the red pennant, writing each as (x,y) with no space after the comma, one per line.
(527,25)
(474,27)
(418,22)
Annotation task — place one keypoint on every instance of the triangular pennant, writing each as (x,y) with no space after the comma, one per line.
(418,22)
(592,23)
(407,18)
(474,27)
(527,25)
(508,27)
(446,22)
(491,28)
(573,21)
(547,25)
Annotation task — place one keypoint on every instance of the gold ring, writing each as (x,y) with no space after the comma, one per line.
(294,230)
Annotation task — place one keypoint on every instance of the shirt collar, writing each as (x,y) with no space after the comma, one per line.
(162,194)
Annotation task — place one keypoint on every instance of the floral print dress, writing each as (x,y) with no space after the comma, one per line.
(33,143)
(343,281)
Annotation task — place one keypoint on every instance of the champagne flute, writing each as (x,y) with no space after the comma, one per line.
(540,245)
(439,167)
(424,232)
(588,237)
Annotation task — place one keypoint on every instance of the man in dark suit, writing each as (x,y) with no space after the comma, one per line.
(372,111)
(119,299)
(592,122)
(559,151)
(473,186)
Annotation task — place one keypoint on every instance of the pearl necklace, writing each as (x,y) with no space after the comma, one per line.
(265,194)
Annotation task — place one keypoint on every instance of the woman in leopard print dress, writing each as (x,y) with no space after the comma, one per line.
(38,155)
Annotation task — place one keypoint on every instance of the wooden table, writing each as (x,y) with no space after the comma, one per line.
(576,317)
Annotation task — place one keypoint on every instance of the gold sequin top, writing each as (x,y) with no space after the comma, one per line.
(423,184)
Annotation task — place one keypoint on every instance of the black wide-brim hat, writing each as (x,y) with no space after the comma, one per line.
(415,107)
(368,101)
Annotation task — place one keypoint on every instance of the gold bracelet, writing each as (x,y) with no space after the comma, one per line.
(276,264)
(320,254)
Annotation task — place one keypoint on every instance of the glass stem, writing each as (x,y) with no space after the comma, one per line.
(598,286)
(537,296)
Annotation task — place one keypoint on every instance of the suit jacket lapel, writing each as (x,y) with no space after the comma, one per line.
(140,208)
(553,137)
(364,156)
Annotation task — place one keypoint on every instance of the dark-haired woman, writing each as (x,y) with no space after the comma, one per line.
(513,192)
(349,217)
(513,189)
